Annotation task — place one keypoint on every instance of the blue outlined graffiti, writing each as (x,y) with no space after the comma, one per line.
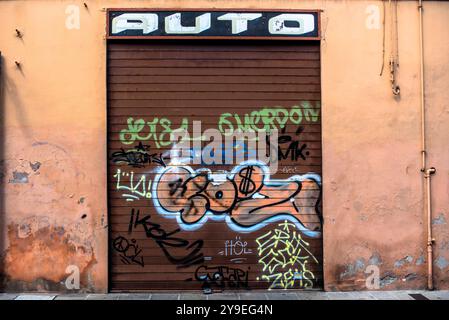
(245,198)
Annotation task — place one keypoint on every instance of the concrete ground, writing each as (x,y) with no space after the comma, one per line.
(250,295)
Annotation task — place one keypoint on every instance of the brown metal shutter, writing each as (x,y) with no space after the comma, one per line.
(154,87)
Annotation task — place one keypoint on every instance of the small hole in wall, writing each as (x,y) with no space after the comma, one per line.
(83,216)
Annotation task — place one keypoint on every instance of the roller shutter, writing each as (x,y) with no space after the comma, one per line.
(178,227)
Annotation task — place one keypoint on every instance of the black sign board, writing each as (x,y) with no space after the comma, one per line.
(222,24)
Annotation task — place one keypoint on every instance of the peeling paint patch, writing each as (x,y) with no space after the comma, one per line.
(349,272)
(403,261)
(359,264)
(375,259)
(444,245)
(441,263)
(410,277)
(352,269)
(40,251)
(388,279)
(19,177)
(420,260)
(35,166)
(439,220)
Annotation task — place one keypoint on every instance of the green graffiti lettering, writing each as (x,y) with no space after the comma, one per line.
(128,136)
(248,123)
(267,119)
(153,131)
(295,115)
(166,125)
(282,121)
(309,112)
(255,116)
(225,122)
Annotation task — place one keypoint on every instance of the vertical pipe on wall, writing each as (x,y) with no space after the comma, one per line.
(427,172)
(430,239)
(393,48)
(421,64)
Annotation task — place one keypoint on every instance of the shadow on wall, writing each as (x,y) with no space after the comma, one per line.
(2,173)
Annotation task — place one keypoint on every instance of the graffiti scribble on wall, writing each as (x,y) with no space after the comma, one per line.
(290,146)
(285,258)
(130,253)
(246,198)
(269,226)
(221,277)
(137,157)
(135,189)
(236,249)
(168,242)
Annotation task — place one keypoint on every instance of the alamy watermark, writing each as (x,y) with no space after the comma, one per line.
(373,279)
(72,20)
(215,147)
(72,282)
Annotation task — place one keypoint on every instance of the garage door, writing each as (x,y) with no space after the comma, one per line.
(178,225)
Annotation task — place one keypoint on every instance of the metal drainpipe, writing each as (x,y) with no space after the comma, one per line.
(427,172)
(430,239)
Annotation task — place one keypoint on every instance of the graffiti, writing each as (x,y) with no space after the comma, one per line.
(137,157)
(159,131)
(135,190)
(290,169)
(129,251)
(295,149)
(266,120)
(221,277)
(246,198)
(166,241)
(284,257)
(236,247)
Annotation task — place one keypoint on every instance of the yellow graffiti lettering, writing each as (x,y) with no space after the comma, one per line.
(134,190)
(284,257)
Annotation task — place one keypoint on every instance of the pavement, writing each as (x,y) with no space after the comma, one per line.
(250,295)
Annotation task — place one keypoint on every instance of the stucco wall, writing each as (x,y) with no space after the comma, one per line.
(53,150)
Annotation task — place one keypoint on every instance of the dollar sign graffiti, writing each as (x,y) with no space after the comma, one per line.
(246,185)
